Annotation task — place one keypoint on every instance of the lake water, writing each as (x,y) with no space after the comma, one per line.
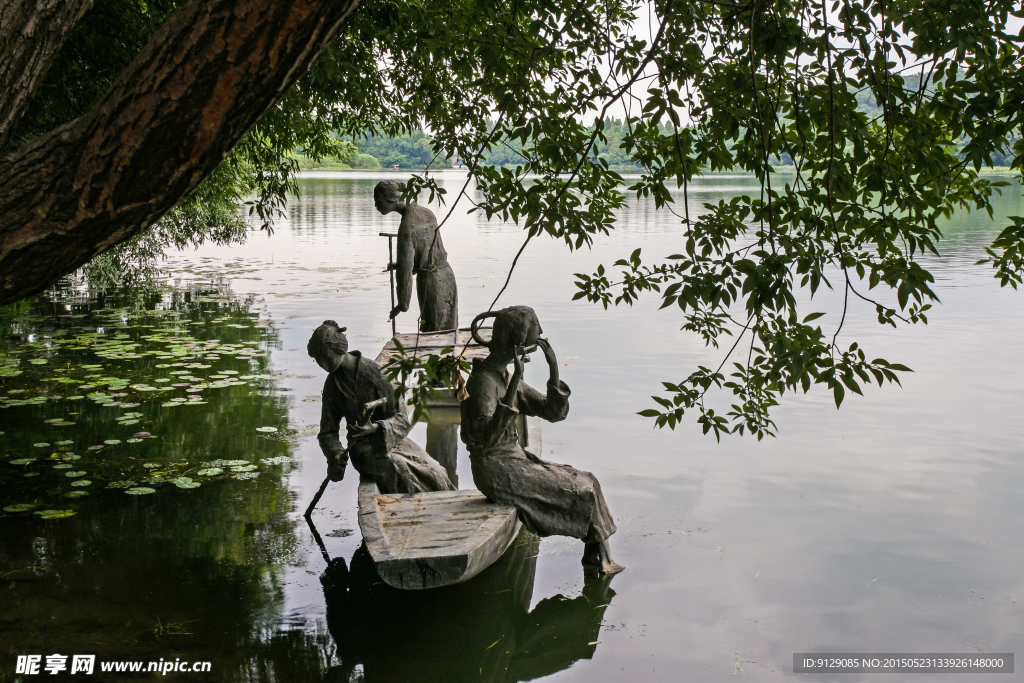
(891,525)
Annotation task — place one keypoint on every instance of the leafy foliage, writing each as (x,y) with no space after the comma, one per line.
(419,378)
(886,110)
(721,85)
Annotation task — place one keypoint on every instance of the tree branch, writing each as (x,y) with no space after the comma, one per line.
(31,34)
(204,79)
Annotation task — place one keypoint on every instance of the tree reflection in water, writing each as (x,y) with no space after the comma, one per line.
(480,630)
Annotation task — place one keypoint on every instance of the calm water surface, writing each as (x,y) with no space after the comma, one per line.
(892,525)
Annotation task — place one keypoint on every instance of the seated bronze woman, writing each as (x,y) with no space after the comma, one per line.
(552,499)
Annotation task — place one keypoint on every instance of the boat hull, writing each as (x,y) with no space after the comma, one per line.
(428,540)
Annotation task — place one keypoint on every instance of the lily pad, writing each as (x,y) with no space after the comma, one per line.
(210,471)
(22,461)
(41,444)
(187,485)
(81,482)
(133,440)
(66,442)
(76,494)
(63,466)
(56,514)
(139,491)
(79,473)
(266,430)
(112,442)
(19,507)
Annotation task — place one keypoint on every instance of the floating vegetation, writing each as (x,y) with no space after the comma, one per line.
(139,491)
(78,373)
(55,514)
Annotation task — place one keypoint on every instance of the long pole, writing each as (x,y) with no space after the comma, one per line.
(391,271)
(317,497)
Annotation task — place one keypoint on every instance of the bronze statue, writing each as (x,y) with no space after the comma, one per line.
(420,253)
(376,423)
(552,499)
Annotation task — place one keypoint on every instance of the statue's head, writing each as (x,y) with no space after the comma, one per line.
(387,195)
(513,326)
(327,345)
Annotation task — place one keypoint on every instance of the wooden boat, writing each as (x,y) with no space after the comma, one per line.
(429,540)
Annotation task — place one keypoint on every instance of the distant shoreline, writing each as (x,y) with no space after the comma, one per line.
(997,171)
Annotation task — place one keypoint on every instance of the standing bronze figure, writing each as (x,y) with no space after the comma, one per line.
(420,253)
(552,499)
(376,423)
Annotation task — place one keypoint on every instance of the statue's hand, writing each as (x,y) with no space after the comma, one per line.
(336,469)
(395,311)
(361,431)
(518,361)
(549,353)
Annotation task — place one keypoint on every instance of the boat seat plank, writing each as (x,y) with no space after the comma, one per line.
(427,540)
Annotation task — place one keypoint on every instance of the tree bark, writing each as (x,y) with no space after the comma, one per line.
(31,34)
(204,79)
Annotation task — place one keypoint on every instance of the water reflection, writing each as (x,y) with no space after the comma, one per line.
(99,394)
(480,630)
(192,563)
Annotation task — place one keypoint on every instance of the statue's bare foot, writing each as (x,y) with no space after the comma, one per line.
(599,556)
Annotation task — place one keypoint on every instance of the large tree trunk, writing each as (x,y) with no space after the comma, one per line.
(204,79)
(31,33)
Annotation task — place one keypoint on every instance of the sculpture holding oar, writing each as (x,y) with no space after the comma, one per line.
(367,411)
(377,425)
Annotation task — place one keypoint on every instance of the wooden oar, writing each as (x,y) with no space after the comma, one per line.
(318,496)
(367,412)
